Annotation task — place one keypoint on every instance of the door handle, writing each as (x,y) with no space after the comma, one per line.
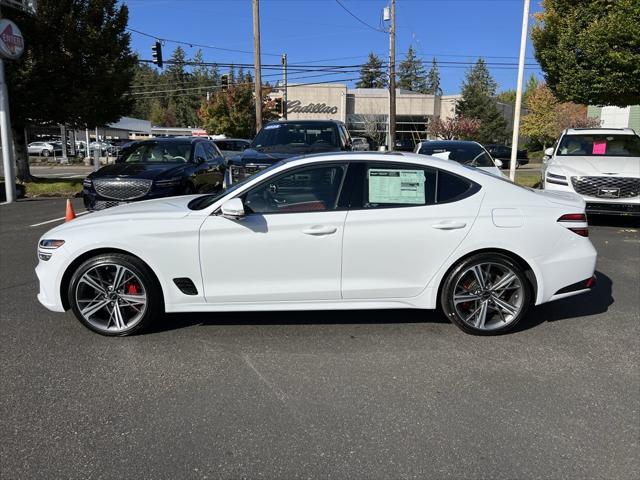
(449,225)
(320,230)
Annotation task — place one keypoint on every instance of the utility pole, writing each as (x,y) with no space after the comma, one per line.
(256,63)
(516,114)
(284,81)
(392,78)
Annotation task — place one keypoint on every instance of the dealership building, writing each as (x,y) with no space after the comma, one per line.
(364,110)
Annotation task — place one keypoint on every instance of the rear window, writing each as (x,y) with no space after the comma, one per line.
(598,145)
(467,154)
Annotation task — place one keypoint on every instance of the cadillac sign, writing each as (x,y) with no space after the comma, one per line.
(11,41)
(295,106)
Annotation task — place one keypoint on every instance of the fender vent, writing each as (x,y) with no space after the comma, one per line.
(186,286)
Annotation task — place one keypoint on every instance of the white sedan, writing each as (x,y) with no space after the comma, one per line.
(332,231)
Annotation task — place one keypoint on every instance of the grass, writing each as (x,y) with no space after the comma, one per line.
(53,187)
(528,178)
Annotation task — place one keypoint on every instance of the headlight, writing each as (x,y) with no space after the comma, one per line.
(50,245)
(87,182)
(170,182)
(557,179)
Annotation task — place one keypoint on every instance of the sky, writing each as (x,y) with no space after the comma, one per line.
(321,32)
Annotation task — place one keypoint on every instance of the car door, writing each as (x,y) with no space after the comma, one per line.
(404,221)
(288,245)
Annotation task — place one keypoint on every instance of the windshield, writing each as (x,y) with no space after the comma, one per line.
(297,137)
(206,200)
(157,152)
(594,145)
(467,153)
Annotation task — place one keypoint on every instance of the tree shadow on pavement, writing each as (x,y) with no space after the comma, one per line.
(597,301)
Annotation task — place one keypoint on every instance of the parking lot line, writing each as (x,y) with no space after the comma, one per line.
(56,219)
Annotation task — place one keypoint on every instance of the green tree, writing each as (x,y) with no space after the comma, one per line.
(145,79)
(540,123)
(411,74)
(371,73)
(182,102)
(589,50)
(432,81)
(478,102)
(76,70)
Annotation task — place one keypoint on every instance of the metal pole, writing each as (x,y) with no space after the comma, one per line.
(86,146)
(516,115)
(256,63)
(392,78)
(284,80)
(7,140)
(96,153)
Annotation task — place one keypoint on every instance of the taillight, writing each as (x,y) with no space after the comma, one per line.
(573,217)
(582,230)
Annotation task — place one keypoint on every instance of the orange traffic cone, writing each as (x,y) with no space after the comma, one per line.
(69,214)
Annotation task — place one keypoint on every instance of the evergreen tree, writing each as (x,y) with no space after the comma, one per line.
(478,102)
(232,75)
(181,103)
(411,74)
(76,70)
(145,79)
(432,83)
(371,74)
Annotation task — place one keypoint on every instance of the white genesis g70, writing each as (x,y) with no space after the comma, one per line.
(330,231)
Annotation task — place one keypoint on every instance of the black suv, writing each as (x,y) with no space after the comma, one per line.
(155,168)
(503,153)
(284,139)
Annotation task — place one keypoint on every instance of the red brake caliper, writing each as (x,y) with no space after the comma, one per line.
(132,289)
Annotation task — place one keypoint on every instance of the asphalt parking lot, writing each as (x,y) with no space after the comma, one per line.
(372,395)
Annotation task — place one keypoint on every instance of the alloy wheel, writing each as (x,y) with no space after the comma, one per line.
(488,296)
(111,297)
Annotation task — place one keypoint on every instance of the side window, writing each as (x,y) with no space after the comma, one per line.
(211,152)
(400,185)
(199,152)
(452,187)
(311,189)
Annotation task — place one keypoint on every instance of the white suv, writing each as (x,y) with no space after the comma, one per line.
(600,164)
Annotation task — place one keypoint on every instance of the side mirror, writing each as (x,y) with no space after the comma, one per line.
(549,152)
(233,209)
(499,163)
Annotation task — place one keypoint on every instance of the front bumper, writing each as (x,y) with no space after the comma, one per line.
(599,206)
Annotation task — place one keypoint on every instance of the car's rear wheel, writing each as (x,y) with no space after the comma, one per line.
(114,294)
(45,153)
(486,294)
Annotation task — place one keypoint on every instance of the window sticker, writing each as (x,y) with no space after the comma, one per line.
(599,147)
(396,186)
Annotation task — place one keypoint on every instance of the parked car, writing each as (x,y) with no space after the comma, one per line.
(156,168)
(465,152)
(231,146)
(600,164)
(285,139)
(42,149)
(330,231)
(360,144)
(103,147)
(503,153)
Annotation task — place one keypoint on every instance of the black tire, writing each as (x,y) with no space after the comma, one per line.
(462,268)
(149,285)
(45,153)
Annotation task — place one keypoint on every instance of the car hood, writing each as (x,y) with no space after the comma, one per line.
(139,170)
(596,166)
(160,208)
(251,156)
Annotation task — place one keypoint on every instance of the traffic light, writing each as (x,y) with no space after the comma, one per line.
(224,81)
(156,53)
(279,105)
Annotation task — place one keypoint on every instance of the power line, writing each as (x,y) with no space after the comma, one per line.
(192,44)
(359,19)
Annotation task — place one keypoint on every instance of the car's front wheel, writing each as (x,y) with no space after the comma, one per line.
(114,294)
(45,153)
(486,294)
